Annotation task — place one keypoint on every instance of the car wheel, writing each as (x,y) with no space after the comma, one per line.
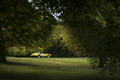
(48,56)
(38,56)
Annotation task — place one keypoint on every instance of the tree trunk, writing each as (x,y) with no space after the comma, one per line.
(101,63)
(2,55)
(2,47)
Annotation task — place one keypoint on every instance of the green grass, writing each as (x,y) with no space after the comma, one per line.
(51,69)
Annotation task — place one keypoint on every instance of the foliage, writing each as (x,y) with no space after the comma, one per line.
(95,26)
(63,44)
(17,51)
(21,23)
(23,51)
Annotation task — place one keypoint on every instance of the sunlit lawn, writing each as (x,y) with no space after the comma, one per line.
(51,69)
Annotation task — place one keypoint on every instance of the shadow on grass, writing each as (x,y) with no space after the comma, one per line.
(41,72)
(40,76)
(19,64)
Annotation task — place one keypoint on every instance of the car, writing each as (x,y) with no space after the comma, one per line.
(39,54)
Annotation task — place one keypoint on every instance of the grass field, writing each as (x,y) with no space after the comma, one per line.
(51,69)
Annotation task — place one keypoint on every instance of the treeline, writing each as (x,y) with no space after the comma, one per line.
(63,44)
(22,51)
(60,43)
(57,50)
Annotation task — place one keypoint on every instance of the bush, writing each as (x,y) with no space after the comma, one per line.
(17,51)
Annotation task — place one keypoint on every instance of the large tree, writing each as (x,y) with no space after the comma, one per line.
(23,22)
(95,25)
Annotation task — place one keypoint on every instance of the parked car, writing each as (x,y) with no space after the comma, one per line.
(38,54)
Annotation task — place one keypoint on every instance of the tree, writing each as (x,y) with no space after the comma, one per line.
(58,47)
(64,44)
(22,22)
(95,25)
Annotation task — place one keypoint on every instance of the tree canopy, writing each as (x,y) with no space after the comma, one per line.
(94,25)
(22,23)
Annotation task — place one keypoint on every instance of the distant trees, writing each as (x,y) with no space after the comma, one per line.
(17,51)
(58,47)
(63,44)
(23,51)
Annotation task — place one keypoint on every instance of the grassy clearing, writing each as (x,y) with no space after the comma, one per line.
(50,69)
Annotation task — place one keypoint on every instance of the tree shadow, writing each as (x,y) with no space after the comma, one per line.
(43,75)
(19,64)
